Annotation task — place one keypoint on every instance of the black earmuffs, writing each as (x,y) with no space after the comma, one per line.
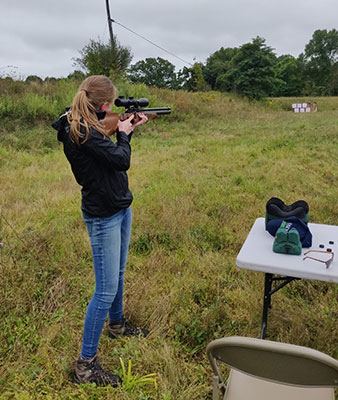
(277,209)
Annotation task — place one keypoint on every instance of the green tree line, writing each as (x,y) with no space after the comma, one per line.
(252,70)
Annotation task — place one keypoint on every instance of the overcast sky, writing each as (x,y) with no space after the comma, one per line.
(41,37)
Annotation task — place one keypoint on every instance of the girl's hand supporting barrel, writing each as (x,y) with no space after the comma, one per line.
(142,119)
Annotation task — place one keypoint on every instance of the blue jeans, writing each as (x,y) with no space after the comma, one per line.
(109,239)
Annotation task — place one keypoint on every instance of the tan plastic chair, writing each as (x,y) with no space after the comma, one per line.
(266,370)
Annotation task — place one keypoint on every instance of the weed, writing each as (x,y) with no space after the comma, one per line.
(133,382)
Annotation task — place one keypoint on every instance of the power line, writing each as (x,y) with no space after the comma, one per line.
(149,41)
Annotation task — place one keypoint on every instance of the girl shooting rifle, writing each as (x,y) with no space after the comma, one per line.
(99,166)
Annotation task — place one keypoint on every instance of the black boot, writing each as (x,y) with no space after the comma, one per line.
(90,371)
(125,328)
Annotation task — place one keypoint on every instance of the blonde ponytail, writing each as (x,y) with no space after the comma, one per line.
(93,92)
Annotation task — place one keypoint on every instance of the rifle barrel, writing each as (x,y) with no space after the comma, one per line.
(159,111)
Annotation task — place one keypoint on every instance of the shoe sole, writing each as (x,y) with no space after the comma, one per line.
(78,382)
(112,336)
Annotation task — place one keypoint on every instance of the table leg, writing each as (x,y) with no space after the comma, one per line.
(268,292)
(266,303)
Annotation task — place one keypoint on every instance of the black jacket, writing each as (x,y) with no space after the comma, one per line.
(99,166)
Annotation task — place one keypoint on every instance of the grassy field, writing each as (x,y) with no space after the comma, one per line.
(200,178)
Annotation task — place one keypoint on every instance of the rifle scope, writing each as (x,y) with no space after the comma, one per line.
(121,101)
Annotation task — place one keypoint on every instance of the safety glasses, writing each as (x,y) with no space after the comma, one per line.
(327,262)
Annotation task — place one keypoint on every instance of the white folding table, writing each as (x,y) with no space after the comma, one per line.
(256,254)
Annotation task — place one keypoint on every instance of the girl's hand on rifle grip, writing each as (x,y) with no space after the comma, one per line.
(126,126)
(129,124)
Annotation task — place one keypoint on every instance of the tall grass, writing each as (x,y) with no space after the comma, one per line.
(200,178)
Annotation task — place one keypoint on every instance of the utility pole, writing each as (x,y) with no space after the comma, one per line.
(110,25)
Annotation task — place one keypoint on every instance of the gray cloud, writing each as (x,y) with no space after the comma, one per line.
(41,37)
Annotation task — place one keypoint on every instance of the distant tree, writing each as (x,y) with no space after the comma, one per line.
(98,58)
(8,71)
(154,72)
(33,78)
(320,57)
(252,71)
(76,75)
(50,79)
(289,74)
(332,88)
(308,86)
(192,79)
(218,64)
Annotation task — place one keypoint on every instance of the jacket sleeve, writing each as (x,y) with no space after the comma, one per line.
(114,155)
(59,125)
